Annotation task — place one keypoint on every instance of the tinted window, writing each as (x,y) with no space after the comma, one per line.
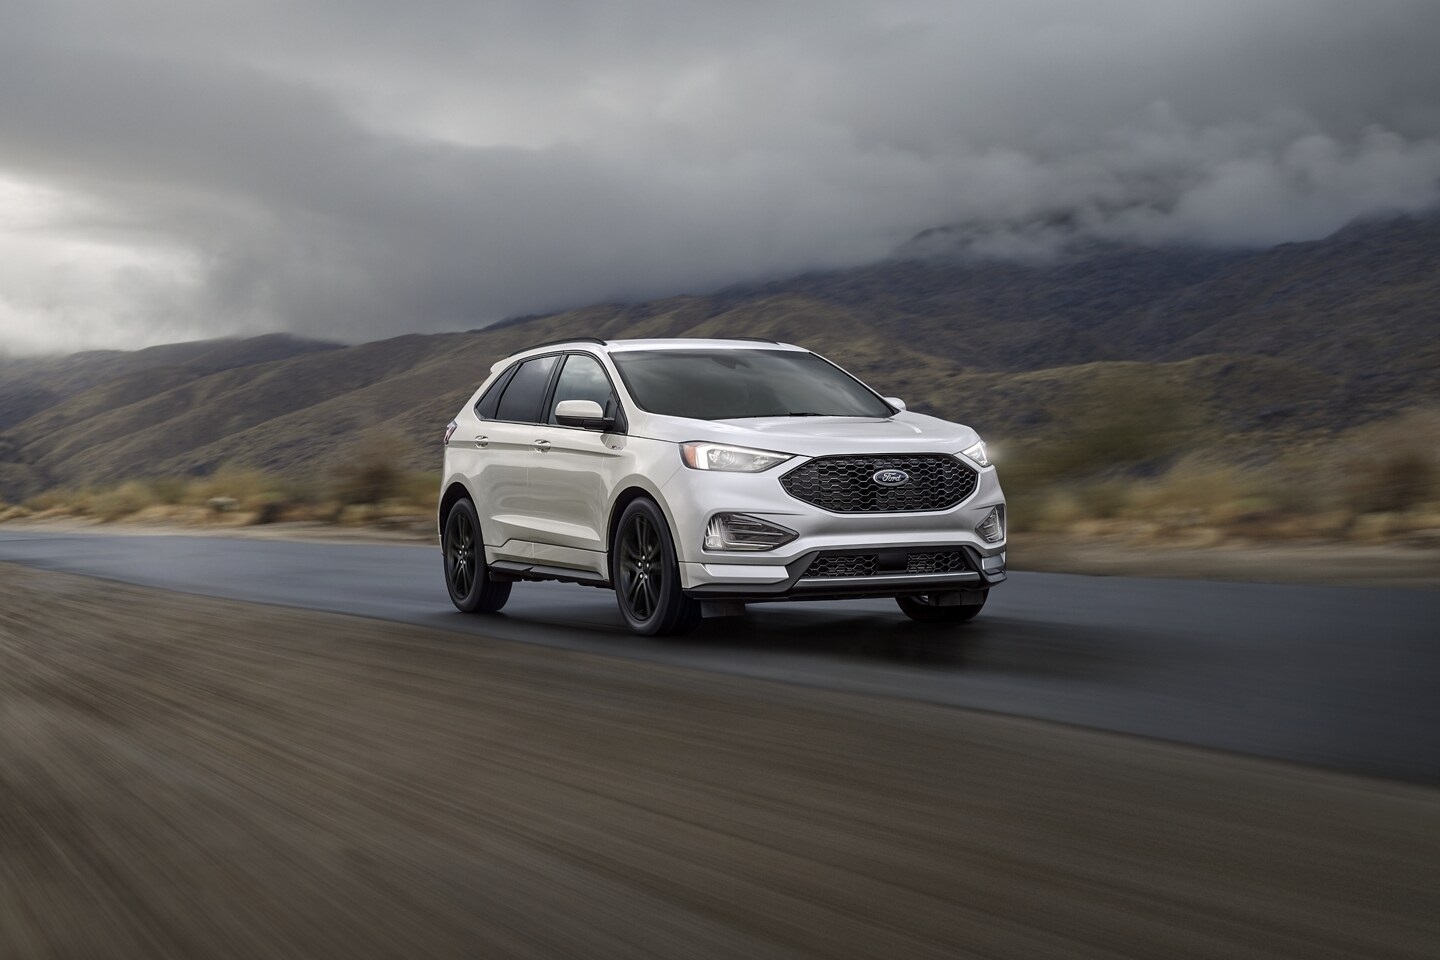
(582,378)
(485,407)
(731,384)
(521,400)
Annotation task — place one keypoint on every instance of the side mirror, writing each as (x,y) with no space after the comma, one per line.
(897,403)
(582,413)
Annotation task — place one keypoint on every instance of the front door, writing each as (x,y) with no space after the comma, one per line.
(571,472)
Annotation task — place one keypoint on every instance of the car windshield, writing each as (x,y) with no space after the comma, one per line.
(731,384)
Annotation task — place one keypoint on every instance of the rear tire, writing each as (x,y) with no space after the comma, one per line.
(466,577)
(924,608)
(647,576)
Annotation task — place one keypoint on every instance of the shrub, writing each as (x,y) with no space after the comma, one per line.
(245,486)
(421,488)
(371,471)
(1393,465)
(1104,499)
(168,490)
(122,501)
(1400,481)
(1199,489)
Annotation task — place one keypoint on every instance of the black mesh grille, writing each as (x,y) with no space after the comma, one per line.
(828,566)
(947,562)
(847,484)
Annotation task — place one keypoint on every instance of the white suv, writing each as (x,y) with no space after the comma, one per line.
(694,476)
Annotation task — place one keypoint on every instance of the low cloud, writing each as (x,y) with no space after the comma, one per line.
(339,170)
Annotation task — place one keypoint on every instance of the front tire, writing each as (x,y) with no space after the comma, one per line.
(646,574)
(466,577)
(925,608)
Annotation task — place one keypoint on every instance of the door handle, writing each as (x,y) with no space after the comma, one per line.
(482,441)
(542,445)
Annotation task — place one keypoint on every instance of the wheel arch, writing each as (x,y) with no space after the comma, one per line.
(454,492)
(623,499)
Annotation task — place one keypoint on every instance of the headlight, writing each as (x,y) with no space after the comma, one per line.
(977,453)
(718,456)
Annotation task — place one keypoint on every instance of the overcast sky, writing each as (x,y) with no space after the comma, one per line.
(356,169)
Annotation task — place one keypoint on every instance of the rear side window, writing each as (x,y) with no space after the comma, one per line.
(521,400)
(485,407)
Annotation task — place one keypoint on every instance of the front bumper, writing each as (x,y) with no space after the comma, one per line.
(754,583)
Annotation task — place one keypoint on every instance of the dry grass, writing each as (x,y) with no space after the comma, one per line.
(1376,482)
(373,491)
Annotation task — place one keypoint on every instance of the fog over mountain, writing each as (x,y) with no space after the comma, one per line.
(358,169)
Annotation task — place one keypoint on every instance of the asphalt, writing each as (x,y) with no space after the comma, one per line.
(1339,677)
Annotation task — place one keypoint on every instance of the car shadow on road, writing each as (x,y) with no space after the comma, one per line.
(993,644)
(987,644)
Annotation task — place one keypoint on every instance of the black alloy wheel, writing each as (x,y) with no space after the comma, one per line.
(926,608)
(647,576)
(470,586)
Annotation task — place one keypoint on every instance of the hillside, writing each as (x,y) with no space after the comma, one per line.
(1267,345)
(1362,306)
(29,386)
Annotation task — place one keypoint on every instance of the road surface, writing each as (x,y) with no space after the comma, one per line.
(196,778)
(1342,677)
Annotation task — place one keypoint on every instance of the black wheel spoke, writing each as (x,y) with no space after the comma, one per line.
(645,572)
(639,568)
(461,553)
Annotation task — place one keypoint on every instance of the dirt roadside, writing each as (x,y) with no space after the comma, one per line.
(185,777)
(1340,563)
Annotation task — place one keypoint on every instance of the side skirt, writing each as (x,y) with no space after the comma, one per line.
(512,570)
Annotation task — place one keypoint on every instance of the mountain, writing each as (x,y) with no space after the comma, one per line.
(1271,345)
(29,386)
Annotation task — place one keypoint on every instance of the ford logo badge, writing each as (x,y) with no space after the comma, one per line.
(890,478)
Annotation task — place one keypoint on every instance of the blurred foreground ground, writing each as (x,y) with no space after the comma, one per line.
(184,777)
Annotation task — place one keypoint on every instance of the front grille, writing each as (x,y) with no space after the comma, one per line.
(847,485)
(829,566)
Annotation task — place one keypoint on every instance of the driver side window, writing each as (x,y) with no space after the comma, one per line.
(582,378)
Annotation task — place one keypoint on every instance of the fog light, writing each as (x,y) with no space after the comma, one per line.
(995,564)
(992,528)
(739,531)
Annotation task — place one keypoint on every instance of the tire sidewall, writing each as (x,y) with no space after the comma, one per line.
(926,613)
(484,596)
(675,612)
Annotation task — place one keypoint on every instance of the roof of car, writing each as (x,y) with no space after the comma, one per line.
(696,343)
(672,343)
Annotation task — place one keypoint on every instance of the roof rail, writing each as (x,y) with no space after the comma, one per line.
(756,339)
(555,343)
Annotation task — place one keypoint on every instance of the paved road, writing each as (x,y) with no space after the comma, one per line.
(1343,677)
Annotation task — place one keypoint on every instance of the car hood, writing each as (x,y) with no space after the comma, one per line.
(817,436)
